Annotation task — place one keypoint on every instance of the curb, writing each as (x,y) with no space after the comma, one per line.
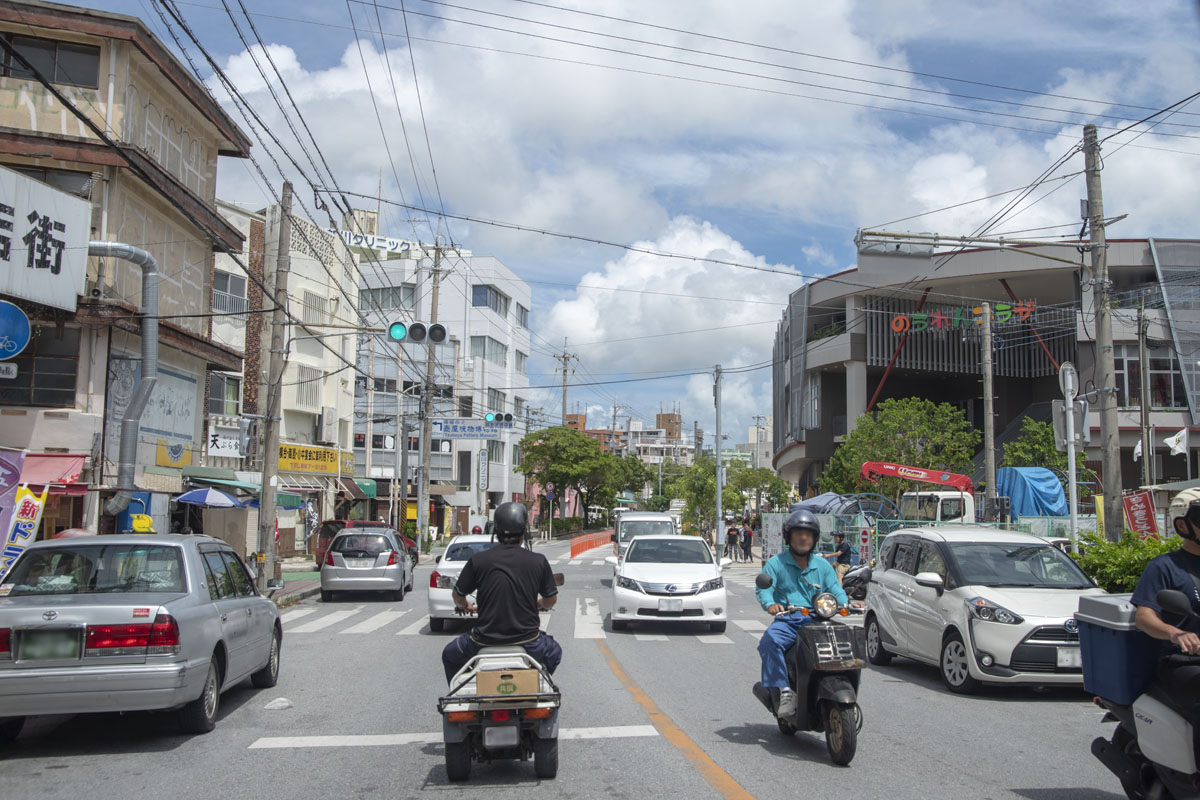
(291,598)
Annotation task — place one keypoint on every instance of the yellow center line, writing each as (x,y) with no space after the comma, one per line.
(718,778)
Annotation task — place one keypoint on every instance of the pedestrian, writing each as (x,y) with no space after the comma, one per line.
(840,555)
(731,543)
(187,531)
(747,540)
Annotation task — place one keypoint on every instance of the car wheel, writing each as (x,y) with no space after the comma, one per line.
(458,761)
(200,715)
(620,625)
(437,625)
(10,729)
(326,596)
(717,627)
(956,670)
(876,653)
(268,676)
(545,757)
(398,595)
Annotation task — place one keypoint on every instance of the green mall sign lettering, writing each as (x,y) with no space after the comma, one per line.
(962,317)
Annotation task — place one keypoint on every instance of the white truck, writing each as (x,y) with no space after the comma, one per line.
(937,506)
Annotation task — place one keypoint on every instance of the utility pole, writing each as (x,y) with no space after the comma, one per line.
(719,535)
(370,401)
(565,358)
(1143,365)
(1110,443)
(427,407)
(759,419)
(400,481)
(276,363)
(989,421)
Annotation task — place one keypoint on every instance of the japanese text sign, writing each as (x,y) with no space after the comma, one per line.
(26,516)
(469,429)
(43,241)
(1139,513)
(945,319)
(320,460)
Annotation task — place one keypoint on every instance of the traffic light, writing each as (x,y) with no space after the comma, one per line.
(397,331)
(493,417)
(417,332)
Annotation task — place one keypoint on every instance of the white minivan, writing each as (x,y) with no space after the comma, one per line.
(640,523)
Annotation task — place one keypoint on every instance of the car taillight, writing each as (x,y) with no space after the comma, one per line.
(164,636)
(117,640)
(500,715)
(393,558)
(329,558)
(433,580)
(5,644)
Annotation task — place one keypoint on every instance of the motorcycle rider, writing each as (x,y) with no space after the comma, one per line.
(797,578)
(507,579)
(1176,570)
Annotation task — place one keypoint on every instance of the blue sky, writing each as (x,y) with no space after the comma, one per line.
(748,171)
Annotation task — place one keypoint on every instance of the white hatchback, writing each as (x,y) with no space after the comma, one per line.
(984,605)
(669,579)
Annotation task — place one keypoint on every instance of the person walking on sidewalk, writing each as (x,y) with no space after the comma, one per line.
(747,539)
(840,555)
(731,542)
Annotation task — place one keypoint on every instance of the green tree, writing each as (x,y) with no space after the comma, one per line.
(658,502)
(1035,448)
(697,487)
(568,459)
(912,431)
(760,482)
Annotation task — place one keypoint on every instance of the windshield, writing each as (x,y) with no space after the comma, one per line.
(646,527)
(89,569)
(361,545)
(657,551)
(922,508)
(1034,565)
(461,551)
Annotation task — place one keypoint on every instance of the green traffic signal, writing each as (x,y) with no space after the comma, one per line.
(489,417)
(397,331)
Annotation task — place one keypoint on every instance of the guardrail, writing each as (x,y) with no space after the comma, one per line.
(589,541)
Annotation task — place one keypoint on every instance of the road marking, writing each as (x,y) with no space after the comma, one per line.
(295,614)
(589,624)
(714,638)
(575,561)
(651,637)
(415,628)
(376,622)
(326,621)
(398,739)
(718,778)
(750,625)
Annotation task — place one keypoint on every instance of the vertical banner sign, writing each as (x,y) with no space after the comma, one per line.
(10,475)
(26,516)
(1139,513)
(483,470)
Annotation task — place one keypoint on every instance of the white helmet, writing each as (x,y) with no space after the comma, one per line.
(1180,504)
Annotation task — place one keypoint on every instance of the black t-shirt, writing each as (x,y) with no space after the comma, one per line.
(506,580)
(732,534)
(1170,571)
(843,551)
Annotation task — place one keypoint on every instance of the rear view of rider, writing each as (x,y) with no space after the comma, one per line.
(507,580)
(797,578)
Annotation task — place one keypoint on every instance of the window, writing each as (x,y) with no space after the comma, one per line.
(59,62)
(522,316)
(490,349)
(93,568)
(484,295)
(314,308)
(1167,389)
(905,557)
(229,293)
(466,406)
(518,457)
(220,585)
(521,358)
(46,370)
(224,392)
(237,572)
(518,406)
(403,296)
(69,181)
(495,451)
(308,386)
(496,400)
(931,560)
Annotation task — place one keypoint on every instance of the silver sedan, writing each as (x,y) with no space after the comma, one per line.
(131,623)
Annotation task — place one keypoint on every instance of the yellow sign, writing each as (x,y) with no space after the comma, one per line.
(318,460)
(173,455)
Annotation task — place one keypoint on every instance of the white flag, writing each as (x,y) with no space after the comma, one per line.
(1137,450)
(1178,443)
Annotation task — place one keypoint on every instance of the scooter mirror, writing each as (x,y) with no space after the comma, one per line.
(559,579)
(764,581)
(1176,602)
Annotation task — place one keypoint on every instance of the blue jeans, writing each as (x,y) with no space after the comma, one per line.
(456,654)
(773,647)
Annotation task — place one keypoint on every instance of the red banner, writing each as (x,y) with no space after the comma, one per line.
(1139,513)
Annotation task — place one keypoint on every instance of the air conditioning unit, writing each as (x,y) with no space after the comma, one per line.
(327,426)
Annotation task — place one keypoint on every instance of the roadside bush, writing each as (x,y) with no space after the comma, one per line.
(1117,566)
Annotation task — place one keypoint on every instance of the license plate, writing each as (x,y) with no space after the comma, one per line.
(1070,657)
(671,604)
(361,563)
(501,736)
(49,645)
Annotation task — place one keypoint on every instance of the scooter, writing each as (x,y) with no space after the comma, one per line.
(856,580)
(1154,751)
(824,669)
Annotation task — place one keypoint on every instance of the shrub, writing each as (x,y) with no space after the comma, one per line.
(1117,566)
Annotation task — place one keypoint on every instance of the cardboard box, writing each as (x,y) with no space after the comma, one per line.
(507,682)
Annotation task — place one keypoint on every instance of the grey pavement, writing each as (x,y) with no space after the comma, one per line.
(367,666)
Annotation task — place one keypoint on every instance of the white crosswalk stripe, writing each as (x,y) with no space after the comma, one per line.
(415,628)
(376,622)
(714,638)
(324,622)
(750,625)
(295,614)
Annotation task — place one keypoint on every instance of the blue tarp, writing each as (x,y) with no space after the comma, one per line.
(1032,491)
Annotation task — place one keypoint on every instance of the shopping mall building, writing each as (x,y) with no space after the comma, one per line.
(906,322)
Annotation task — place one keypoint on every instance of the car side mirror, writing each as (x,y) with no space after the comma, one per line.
(930,580)
(274,585)
(611,561)
(764,581)
(725,562)
(1176,602)
(612,538)
(437,559)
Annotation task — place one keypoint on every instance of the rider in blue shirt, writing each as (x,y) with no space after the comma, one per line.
(797,579)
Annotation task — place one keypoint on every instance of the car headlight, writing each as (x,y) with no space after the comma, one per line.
(626,583)
(714,584)
(988,611)
(826,605)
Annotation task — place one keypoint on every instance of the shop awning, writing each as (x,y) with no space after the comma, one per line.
(59,472)
(351,488)
(297,482)
(282,500)
(442,488)
(368,486)
(250,487)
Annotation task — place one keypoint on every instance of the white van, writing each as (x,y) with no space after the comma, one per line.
(640,523)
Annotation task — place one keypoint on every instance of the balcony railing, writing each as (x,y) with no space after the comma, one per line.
(225,303)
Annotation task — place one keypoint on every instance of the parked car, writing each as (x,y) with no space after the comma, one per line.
(132,623)
(445,573)
(370,559)
(669,579)
(984,605)
(332,527)
(640,523)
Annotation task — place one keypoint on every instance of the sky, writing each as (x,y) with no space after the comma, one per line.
(762,133)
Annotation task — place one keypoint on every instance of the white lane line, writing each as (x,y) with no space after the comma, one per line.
(650,637)
(376,622)
(714,638)
(589,624)
(750,625)
(415,628)
(295,614)
(397,739)
(326,621)
(574,561)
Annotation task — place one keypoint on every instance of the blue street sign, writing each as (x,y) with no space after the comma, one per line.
(14,330)
(549,495)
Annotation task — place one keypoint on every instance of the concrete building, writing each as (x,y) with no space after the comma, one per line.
(905,323)
(154,190)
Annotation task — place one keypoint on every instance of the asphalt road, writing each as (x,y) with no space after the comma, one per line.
(658,712)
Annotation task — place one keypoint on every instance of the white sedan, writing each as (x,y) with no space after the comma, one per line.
(669,579)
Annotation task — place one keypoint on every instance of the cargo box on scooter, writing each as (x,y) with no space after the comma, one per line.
(1118,659)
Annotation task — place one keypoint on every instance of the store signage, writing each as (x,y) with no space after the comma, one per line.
(945,319)
(43,241)
(483,470)
(26,516)
(317,460)
(224,442)
(385,244)
(469,429)
(8,370)
(1139,513)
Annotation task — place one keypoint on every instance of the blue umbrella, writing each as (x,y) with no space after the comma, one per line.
(209,498)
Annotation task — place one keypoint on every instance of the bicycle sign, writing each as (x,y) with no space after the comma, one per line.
(14,330)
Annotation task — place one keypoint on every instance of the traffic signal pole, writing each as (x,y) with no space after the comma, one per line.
(427,408)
